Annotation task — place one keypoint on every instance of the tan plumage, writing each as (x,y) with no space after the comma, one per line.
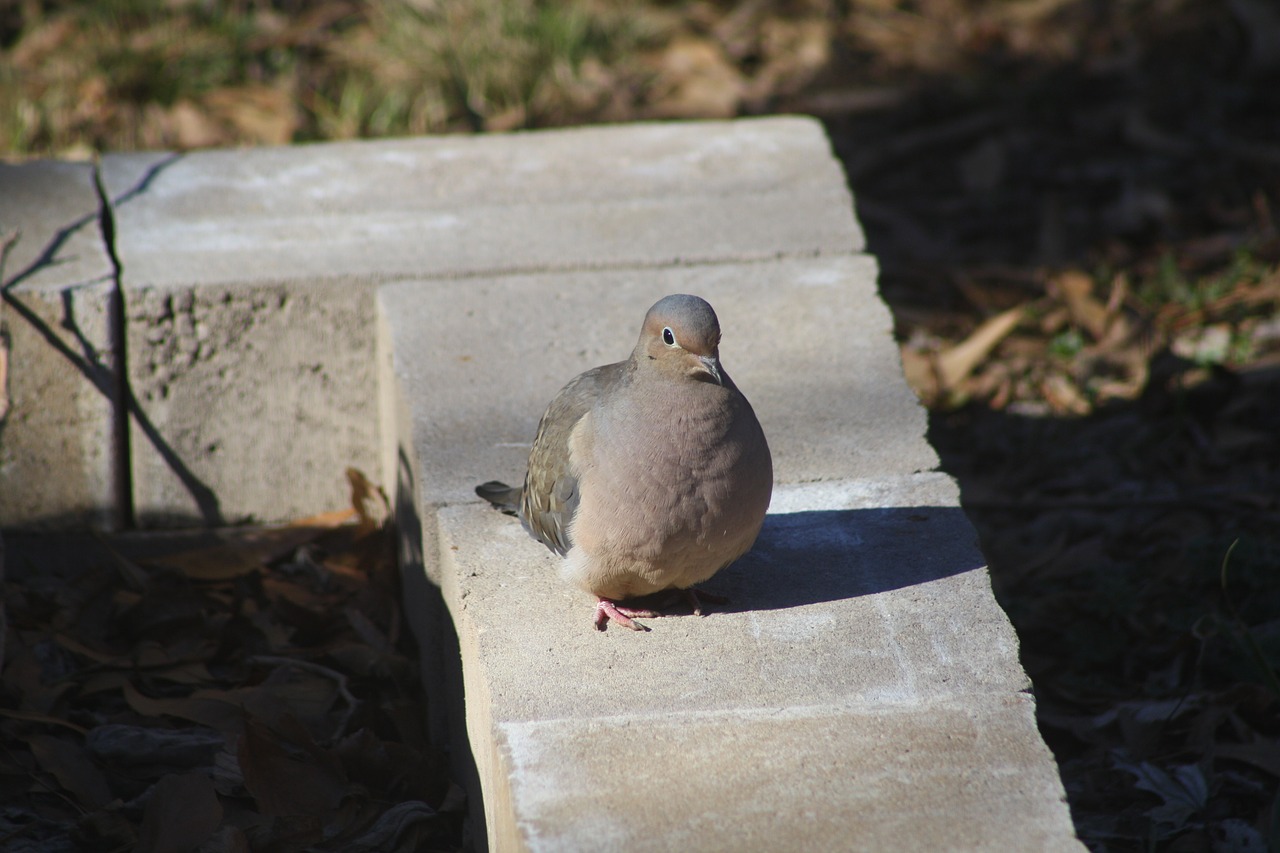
(647,474)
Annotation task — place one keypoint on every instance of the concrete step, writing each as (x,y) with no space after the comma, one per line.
(410,306)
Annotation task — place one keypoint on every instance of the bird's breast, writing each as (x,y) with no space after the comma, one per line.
(690,477)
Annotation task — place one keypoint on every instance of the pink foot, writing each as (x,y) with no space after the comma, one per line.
(606,610)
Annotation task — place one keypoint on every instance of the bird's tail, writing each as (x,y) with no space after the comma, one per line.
(503,497)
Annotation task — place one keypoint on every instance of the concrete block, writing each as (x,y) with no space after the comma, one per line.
(946,776)
(252,396)
(251,402)
(59,379)
(588,197)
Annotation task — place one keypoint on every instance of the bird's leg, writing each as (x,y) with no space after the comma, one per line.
(606,610)
(696,597)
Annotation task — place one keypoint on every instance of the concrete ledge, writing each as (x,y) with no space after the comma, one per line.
(448,206)
(59,396)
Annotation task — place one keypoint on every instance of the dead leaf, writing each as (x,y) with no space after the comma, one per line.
(1262,753)
(73,768)
(44,719)
(369,501)
(695,80)
(217,709)
(182,813)
(227,839)
(982,169)
(918,368)
(956,363)
(258,114)
(288,782)
(250,550)
(1183,793)
(402,827)
(1065,398)
(156,648)
(190,126)
(1086,311)
(1260,21)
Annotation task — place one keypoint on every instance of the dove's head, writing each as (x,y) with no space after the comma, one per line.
(681,338)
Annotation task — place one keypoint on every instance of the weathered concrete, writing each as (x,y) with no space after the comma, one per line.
(59,384)
(589,197)
(252,393)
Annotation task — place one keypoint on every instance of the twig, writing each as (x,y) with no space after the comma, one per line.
(337,677)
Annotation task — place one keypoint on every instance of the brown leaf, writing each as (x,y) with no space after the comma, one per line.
(182,813)
(919,369)
(369,501)
(250,550)
(1086,311)
(695,80)
(298,781)
(404,826)
(73,768)
(257,114)
(227,839)
(33,717)
(393,770)
(1064,396)
(217,709)
(956,363)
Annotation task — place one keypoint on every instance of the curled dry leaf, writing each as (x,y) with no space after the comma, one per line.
(954,364)
(1085,310)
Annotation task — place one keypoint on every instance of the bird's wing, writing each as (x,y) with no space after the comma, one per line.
(551,485)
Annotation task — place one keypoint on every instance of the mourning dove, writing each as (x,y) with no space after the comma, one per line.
(648,474)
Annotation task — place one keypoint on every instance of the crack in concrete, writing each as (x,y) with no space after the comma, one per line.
(119,342)
(128,410)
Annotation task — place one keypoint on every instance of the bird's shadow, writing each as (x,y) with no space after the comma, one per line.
(818,556)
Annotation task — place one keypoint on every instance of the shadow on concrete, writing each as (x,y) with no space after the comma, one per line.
(812,557)
(108,379)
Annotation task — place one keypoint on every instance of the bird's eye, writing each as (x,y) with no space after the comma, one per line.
(668,337)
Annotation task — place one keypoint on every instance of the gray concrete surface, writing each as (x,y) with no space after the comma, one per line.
(447,206)
(59,383)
